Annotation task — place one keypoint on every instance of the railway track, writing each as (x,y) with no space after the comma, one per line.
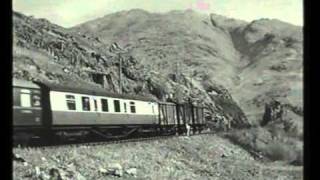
(106,142)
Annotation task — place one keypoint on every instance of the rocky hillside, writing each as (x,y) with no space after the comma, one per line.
(258,62)
(215,61)
(273,72)
(203,52)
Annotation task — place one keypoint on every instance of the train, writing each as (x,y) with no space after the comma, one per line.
(43,110)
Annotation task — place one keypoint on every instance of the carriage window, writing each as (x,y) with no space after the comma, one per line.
(25,99)
(71,102)
(86,103)
(132,107)
(36,100)
(125,107)
(116,105)
(104,103)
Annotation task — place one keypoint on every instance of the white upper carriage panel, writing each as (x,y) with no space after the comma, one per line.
(77,102)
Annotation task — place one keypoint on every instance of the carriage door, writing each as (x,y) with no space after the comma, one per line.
(95,105)
(96,109)
(126,112)
(26,107)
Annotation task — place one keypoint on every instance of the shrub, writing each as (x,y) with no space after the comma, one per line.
(283,148)
(299,159)
(280,151)
(278,67)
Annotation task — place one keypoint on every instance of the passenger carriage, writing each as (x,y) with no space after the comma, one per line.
(94,109)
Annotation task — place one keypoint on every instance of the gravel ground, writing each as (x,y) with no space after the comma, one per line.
(196,157)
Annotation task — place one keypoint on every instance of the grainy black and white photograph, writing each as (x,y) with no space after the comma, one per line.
(157,89)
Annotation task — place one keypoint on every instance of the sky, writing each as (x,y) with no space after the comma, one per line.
(68,13)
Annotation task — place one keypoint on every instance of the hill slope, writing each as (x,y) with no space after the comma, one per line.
(210,59)
(195,157)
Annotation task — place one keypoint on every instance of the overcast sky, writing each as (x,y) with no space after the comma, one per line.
(68,13)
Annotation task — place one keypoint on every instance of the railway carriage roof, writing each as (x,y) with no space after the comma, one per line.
(93,90)
(24,84)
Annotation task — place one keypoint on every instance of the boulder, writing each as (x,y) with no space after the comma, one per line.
(103,171)
(78,176)
(55,174)
(132,171)
(116,169)
(17,157)
(37,171)
(113,169)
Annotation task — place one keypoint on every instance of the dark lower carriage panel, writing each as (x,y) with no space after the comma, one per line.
(26,116)
(102,124)
(86,118)
(27,124)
